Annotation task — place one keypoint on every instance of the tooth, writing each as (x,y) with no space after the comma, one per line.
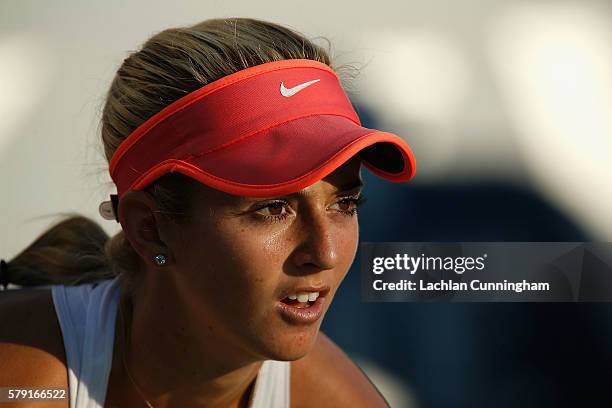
(292,297)
(312,296)
(302,297)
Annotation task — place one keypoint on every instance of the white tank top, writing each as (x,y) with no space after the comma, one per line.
(87,314)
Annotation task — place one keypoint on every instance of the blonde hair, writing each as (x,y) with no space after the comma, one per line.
(168,66)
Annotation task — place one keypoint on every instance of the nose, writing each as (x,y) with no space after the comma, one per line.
(318,243)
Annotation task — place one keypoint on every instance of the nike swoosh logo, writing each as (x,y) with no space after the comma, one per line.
(287,92)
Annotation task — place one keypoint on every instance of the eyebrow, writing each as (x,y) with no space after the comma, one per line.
(341,189)
(350,186)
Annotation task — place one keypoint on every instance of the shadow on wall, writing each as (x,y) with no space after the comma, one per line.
(474,355)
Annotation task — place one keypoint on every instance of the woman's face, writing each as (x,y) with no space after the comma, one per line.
(240,259)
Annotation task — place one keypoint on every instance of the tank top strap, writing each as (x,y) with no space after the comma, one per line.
(87,314)
(272,386)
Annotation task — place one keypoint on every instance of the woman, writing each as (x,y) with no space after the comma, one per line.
(236,155)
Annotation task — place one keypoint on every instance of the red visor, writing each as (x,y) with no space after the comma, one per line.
(268,130)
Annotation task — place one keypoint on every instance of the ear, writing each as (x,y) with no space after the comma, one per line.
(143,225)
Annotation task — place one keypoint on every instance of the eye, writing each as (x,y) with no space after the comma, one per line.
(349,205)
(274,211)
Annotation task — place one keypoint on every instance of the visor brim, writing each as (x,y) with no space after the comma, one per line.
(291,156)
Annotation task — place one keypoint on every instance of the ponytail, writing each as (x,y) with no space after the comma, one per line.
(69,253)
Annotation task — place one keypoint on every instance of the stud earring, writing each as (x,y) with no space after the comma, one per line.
(160,259)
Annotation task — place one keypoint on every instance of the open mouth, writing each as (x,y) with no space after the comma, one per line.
(301,300)
(304,305)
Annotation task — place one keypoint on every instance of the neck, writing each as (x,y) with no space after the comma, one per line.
(174,365)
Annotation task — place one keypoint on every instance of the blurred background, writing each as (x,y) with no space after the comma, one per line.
(507,105)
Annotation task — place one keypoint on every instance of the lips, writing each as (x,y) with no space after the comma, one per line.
(303,305)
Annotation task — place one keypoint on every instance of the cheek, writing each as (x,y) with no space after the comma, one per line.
(239,263)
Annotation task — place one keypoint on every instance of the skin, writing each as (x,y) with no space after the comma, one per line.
(208,315)
(198,328)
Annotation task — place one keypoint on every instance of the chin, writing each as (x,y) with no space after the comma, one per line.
(293,344)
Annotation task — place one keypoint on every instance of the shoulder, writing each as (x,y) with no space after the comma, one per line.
(31,344)
(326,377)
